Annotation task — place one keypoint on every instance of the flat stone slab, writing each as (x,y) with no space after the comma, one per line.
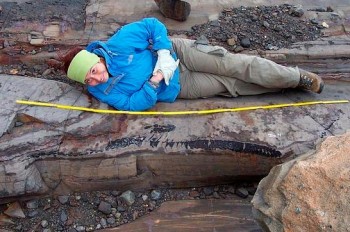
(47,150)
(198,215)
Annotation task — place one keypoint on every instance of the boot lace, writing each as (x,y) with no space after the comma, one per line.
(306,81)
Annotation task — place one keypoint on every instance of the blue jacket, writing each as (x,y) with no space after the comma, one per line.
(130,57)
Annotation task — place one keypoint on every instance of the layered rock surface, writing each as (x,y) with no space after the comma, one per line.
(50,150)
(310,193)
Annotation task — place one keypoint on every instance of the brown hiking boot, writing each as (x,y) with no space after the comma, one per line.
(310,81)
(174,9)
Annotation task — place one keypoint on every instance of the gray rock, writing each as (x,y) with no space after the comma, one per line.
(128,197)
(115,193)
(103,222)
(245,42)
(63,199)
(242,192)
(208,191)
(121,209)
(216,195)
(32,213)
(44,223)
(111,220)
(156,195)
(33,204)
(144,197)
(266,24)
(80,228)
(251,190)
(238,49)
(297,11)
(105,207)
(17,124)
(63,216)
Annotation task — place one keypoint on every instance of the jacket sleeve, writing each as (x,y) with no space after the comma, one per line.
(139,36)
(141,100)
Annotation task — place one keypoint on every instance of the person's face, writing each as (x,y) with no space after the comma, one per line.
(97,74)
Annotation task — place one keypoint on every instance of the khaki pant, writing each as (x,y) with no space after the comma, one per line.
(206,75)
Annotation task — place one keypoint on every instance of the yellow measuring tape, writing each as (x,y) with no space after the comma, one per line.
(213,111)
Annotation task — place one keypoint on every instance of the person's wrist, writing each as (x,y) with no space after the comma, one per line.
(157,77)
(153,83)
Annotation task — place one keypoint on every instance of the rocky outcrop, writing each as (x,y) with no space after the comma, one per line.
(49,150)
(310,193)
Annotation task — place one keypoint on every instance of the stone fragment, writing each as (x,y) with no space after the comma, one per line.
(5,220)
(325,25)
(80,228)
(103,222)
(231,41)
(242,192)
(144,197)
(63,216)
(44,223)
(36,41)
(238,49)
(115,193)
(245,42)
(105,207)
(266,24)
(297,11)
(63,199)
(33,204)
(128,197)
(52,31)
(208,191)
(32,213)
(309,193)
(15,210)
(194,194)
(111,220)
(156,195)
(47,72)
(216,195)
(6,43)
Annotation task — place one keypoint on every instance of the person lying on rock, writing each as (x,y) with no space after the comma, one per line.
(140,66)
(174,9)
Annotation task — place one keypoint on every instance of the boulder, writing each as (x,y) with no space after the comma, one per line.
(309,193)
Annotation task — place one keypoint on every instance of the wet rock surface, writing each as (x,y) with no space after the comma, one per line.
(104,209)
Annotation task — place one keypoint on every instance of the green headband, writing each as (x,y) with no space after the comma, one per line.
(81,65)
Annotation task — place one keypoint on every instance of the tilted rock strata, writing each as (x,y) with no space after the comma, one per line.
(48,150)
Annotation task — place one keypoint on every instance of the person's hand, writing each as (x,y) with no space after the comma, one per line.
(166,65)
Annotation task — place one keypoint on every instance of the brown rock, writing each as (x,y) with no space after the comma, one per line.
(174,9)
(15,210)
(310,193)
